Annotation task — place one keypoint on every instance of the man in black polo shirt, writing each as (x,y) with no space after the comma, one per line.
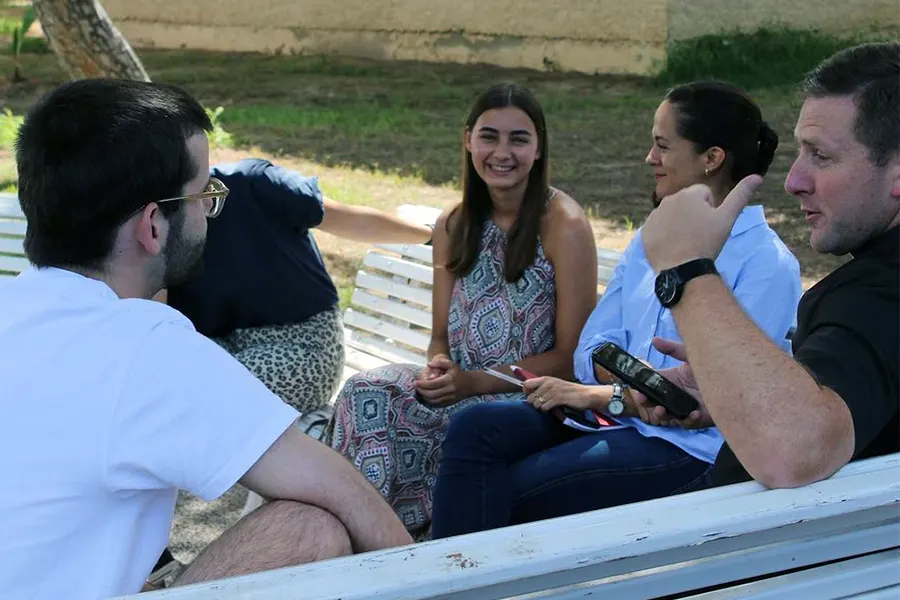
(792,421)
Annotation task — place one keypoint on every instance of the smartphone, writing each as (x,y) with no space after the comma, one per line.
(636,374)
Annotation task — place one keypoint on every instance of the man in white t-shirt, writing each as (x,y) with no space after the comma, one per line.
(110,402)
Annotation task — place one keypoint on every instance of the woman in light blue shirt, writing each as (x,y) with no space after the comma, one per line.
(513,462)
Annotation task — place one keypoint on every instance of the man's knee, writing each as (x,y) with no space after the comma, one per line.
(308,524)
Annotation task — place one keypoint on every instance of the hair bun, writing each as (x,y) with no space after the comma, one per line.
(768,143)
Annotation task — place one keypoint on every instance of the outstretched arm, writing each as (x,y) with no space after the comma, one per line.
(364,224)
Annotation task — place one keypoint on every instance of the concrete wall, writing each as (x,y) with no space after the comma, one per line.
(692,18)
(608,36)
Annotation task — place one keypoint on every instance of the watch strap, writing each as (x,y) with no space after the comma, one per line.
(695,268)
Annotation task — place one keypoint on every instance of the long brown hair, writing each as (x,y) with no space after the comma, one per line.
(466,222)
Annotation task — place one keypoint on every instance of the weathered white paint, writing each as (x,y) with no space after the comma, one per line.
(738,526)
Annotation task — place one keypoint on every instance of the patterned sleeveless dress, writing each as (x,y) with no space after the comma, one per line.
(394,439)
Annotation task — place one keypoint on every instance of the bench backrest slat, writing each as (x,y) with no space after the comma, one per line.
(391,308)
(9,207)
(399,266)
(418,295)
(13,228)
(11,245)
(13,265)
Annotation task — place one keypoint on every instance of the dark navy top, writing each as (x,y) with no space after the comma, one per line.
(261,265)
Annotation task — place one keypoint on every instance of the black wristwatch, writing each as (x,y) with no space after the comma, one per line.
(670,282)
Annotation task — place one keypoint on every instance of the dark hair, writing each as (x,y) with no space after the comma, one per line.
(871,74)
(92,152)
(711,113)
(468,218)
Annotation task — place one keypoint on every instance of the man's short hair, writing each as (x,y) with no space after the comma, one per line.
(93,152)
(871,74)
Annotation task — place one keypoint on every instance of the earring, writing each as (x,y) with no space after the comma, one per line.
(707,172)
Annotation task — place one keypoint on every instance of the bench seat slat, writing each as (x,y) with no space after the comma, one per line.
(359,359)
(829,582)
(379,350)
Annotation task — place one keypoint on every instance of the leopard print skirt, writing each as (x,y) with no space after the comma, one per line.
(301,363)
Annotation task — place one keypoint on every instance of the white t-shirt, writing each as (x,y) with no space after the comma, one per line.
(107,407)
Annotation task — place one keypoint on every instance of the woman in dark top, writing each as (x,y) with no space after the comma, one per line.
(264,293)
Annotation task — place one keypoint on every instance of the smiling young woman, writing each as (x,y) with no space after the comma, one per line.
(514,281)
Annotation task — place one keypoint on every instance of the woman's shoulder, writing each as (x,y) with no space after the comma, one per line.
(564,209)
(565,226)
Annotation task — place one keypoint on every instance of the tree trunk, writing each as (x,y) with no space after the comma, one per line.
(85,40)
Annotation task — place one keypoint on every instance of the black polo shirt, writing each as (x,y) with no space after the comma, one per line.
(848,338)
(261,264)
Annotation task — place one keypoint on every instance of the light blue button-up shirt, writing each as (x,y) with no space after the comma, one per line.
(763,276)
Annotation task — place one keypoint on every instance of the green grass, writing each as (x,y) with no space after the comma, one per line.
(362,117)
(772,56)
(9,126)
(8,25)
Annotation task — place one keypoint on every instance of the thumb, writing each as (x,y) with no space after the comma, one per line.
(440,362)
(739,196)
(670,348)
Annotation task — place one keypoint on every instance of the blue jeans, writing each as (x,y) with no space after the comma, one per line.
(505,463)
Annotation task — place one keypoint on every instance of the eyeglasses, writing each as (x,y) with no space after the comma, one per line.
(216,191)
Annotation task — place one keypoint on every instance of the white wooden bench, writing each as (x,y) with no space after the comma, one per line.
(839,538)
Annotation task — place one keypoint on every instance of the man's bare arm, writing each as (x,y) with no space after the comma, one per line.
(364,224)
(785,429)
(299,468)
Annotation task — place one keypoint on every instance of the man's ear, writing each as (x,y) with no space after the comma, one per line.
(150,229)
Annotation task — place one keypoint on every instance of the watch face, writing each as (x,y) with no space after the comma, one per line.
(666,286)
(615,407)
